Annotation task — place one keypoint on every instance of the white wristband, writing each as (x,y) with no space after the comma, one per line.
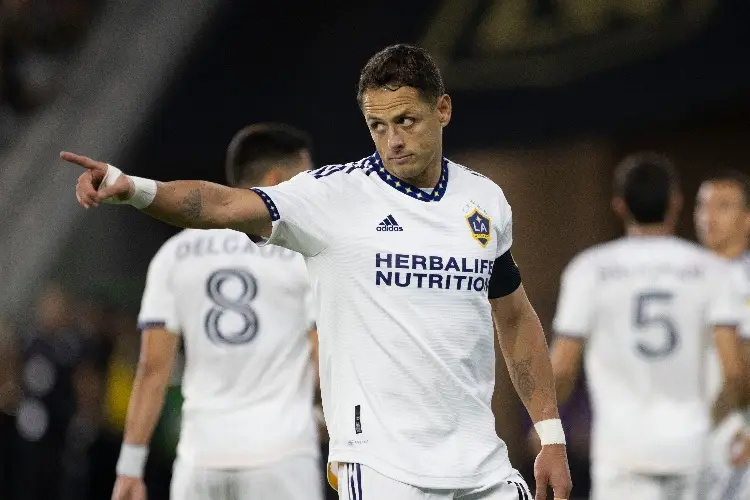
(550,431)
(132,460)
(145,192)
(145,189)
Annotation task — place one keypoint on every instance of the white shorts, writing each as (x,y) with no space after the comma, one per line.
(723,481)
(294,478)
(359,482)
(611,483)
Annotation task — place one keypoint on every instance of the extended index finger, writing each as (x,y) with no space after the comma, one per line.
(83,161)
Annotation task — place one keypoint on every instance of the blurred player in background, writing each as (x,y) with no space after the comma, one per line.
(404,248)
(642,311)
(722,222)
(244,314)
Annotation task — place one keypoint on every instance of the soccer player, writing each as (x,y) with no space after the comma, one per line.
(642,311)
(722,222)
(245,316)
(404,248)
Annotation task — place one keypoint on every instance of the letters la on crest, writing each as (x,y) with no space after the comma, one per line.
(480,227)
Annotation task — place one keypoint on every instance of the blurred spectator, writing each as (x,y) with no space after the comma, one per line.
(39,36)
(89,380)
(36,39)
(50,351)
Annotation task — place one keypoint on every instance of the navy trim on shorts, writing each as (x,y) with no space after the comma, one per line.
(522,495)
(359,481)
(352,490)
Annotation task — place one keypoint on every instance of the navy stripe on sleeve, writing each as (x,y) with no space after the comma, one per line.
(270,205)
(145,325)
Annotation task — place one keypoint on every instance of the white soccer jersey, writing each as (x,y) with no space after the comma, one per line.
(407,360)
(646,306)
(244,313)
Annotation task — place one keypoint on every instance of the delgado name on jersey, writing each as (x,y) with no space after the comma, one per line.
(244,313)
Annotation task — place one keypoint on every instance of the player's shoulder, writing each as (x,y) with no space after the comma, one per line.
(692,251)
(341,173)
(594,256)
(471,179)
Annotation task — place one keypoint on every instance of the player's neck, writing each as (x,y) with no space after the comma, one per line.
(732,250)
(649,230)
(429,177)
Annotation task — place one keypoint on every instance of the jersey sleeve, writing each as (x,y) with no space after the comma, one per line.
(575,309)
(159,305)
(504,227)
(299,213)
(725,306)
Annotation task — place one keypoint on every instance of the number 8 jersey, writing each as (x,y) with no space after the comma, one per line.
(244,313)
(646,306)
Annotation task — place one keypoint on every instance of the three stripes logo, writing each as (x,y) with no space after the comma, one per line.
(389,224)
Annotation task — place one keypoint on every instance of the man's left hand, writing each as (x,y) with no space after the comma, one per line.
(551,470)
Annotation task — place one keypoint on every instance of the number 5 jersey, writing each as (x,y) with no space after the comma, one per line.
(244,313)
(646,306)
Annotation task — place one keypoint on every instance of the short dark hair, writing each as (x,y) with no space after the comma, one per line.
(256,146)
(402,65)
(740,179)
(645,181)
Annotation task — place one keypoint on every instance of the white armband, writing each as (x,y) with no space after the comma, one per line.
(550,431)
(145,189)
(132,460)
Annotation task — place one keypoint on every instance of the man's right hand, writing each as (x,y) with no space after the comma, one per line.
(89,190)
(129,488)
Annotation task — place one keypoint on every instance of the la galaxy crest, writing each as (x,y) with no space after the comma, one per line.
(480,226)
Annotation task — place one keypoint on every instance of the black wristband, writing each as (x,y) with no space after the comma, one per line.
(506,278)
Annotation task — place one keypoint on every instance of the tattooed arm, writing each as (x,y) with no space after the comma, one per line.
(205,205)
(525,351)
(195,204)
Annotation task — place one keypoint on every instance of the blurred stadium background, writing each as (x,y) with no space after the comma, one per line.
(548,94)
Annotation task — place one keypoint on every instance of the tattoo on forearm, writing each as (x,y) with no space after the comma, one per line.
(523,378)
(192,205)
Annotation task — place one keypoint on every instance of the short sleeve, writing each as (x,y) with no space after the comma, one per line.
(159,304)
(504,227)
(575,304)
(299,212)
(725,307)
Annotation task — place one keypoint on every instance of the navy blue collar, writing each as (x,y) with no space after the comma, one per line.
(409,189)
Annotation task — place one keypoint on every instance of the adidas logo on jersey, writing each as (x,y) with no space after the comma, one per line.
(389,224)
